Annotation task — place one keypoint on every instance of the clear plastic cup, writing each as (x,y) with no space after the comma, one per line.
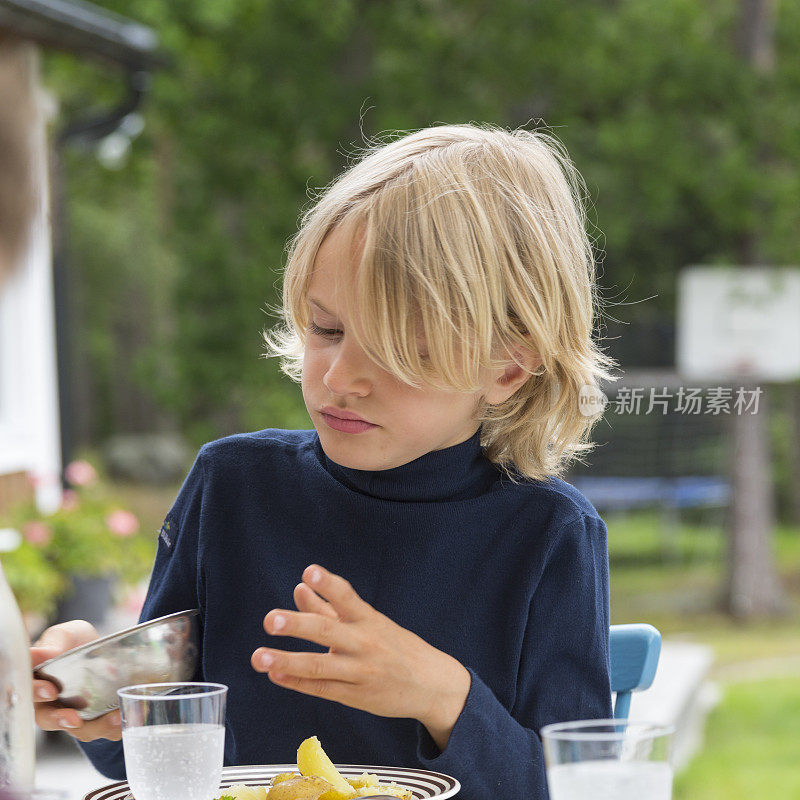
(173,736)
(608,759)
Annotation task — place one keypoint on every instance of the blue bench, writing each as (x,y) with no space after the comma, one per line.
(621,494)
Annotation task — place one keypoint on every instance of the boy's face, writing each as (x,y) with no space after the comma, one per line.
(404,422)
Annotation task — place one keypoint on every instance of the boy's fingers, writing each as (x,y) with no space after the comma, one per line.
(318,628)
(49,713)
(317,666)
(53,717)
(44,691)
(57,636)
(306,599)
(67,635)
(42,653)
(337,591)
(106,727)
(50,717)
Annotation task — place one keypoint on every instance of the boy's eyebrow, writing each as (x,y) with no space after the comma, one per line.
(320,306)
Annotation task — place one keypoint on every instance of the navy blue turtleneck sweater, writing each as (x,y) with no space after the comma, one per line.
(509,578)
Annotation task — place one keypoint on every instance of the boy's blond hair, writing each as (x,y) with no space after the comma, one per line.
(474,237)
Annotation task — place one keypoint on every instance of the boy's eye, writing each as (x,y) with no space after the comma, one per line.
(327,333)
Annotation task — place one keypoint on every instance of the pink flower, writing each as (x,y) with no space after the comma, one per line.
(69,500)
(80,473)
(122,523)
(37,533)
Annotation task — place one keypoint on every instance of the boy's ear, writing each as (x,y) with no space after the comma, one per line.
(521,364)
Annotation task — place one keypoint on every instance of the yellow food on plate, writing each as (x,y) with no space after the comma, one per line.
(303,787)
(313,760)
(241,791)
(318,779)
(363,780)
(282,776)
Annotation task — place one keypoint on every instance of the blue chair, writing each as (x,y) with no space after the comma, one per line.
(634,652)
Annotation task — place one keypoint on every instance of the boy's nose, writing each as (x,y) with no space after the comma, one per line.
(348,373)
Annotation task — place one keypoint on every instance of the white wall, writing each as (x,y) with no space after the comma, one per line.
(29,424)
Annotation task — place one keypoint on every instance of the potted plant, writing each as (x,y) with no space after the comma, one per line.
(68,561)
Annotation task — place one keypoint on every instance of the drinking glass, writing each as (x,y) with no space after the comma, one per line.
(608,759)
(173,736)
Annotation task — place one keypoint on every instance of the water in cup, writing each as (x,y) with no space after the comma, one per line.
(174,762)
(610,780)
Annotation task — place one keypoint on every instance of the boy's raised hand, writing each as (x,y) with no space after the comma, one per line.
(372,663)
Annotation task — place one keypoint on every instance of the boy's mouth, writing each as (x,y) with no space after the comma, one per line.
(345,421)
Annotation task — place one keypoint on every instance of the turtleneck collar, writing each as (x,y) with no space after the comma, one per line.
(454,473)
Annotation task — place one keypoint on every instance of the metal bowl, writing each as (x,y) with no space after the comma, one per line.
(163,650)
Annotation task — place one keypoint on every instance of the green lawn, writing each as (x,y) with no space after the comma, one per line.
(678,588)
(673,580)
(752,748)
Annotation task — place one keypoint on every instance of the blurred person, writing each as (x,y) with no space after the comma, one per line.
(16,174)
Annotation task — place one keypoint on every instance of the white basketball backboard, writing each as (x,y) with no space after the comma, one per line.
(739,323)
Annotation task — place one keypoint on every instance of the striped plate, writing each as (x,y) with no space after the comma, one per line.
(423,784)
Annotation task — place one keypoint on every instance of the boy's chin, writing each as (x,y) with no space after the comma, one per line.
(353,455)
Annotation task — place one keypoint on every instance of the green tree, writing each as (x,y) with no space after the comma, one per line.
(178,254)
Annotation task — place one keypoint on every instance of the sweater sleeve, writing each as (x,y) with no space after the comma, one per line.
(563,674)
(174,586)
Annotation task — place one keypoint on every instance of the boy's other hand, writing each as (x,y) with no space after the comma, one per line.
(50,714)
(372,663)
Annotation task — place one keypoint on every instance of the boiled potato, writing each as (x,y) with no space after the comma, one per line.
(309,787)
(241,791)
(335,794)
(313,760)
(364,779)
(282,776)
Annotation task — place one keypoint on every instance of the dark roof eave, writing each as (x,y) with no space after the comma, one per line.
(83,28)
